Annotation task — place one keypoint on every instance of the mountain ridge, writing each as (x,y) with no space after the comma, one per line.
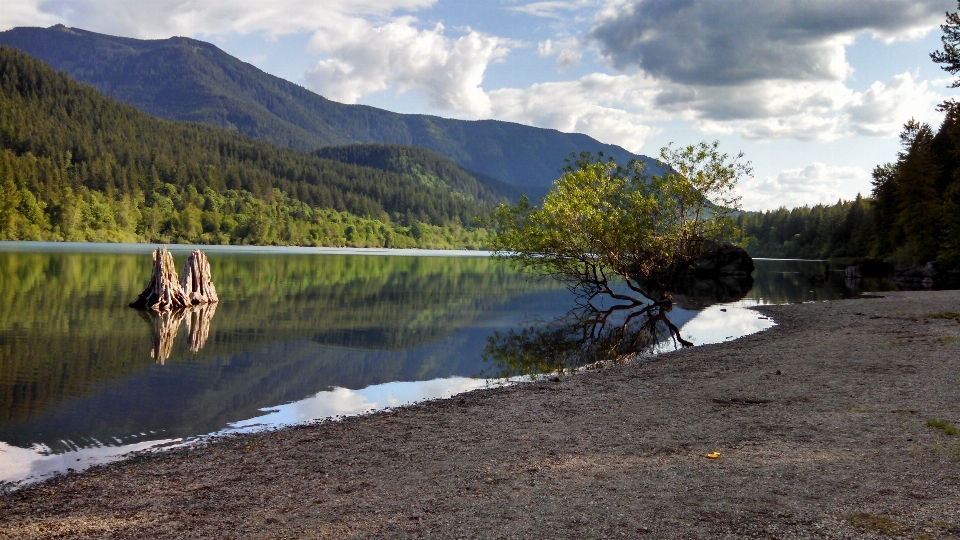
(182,78)
(77,165)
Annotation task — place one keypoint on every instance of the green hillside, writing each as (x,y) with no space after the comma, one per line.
(186,79)
(428,167)
(77,165)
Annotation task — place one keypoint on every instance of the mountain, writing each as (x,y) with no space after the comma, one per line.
(429,168)
(185,79)
(78,165)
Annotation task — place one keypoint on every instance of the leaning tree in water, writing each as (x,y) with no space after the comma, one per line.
(602,224)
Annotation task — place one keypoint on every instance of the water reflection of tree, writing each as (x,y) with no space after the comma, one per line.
(585,337)
(166,325)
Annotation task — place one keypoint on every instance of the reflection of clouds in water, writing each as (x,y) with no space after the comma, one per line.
(345,402)
(715,326)
(31,464)
(35,463)
(16,464)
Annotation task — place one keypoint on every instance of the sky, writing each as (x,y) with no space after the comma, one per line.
(814,92)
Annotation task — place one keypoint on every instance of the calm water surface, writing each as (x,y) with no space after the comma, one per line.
(298,335)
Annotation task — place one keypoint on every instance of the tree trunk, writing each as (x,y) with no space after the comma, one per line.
(197,285)
(164,291)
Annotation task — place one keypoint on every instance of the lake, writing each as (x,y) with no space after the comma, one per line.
(299,335)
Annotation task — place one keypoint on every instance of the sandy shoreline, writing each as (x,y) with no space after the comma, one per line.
(821,422)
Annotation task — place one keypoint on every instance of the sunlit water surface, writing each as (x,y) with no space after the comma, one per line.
(300,334)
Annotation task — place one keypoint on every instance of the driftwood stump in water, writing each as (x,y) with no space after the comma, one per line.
(166,292)
(167,302)
(197,286)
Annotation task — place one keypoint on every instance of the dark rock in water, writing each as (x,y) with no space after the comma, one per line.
(723,260)
(924,276)
(869,268)
(853,282)
(927,276)
(721,274)
(691,291)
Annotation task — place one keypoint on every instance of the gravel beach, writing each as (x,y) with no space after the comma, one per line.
(839,422)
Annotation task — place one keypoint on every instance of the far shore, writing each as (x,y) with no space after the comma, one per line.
(147,248)
(839,422)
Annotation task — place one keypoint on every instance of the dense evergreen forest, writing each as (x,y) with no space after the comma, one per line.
(917,198)
(427,166)
(845,229)
(186,79)
(912,218)
(76,165)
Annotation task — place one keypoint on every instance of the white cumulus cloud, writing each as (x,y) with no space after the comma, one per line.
(815,184)
(811,111)
(554,9)
(25,13)
(164,18)
(364,58)
(567,51)
(763,69)
(611,108)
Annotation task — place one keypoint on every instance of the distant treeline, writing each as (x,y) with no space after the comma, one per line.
(76,165)
(912,218)
(845,229)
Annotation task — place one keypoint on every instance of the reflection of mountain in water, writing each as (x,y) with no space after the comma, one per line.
(76,364)
(166,325)
(189,398)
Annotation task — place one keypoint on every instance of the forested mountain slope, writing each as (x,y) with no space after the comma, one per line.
(77,165)
(186,79)
(429,168)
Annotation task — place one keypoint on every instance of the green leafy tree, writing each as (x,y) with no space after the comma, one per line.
(602,221)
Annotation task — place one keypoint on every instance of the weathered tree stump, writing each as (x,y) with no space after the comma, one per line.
(167,302)
(197,285)
(164,292)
